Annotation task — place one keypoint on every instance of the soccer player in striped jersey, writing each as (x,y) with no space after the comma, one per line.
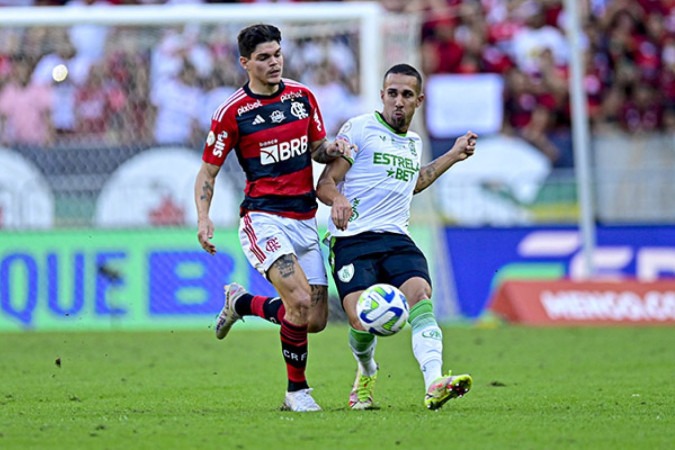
(370,196)
(275,127)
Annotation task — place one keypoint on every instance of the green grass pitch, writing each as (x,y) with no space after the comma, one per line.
(534,388)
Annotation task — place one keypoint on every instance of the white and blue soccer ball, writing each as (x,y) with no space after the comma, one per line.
(382,309)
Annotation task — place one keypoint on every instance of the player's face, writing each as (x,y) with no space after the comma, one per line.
(264,67)
(400,98)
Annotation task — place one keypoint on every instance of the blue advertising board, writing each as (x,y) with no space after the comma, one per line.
(482,258)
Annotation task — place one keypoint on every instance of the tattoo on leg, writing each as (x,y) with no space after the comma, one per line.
(286,266)
(318,294)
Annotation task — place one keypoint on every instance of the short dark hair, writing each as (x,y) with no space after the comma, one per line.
(251,36)
(405,69)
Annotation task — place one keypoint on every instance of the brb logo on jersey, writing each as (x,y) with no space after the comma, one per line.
(283,151)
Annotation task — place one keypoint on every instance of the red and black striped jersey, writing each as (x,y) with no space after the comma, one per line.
(271,137)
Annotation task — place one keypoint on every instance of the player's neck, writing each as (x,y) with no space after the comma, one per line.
(260,88)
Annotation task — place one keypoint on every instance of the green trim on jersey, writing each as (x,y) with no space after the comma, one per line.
(380,118)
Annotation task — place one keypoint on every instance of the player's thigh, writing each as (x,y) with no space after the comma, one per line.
(353,275)
(304,237)
(290,281)
(264,240)
(403,262)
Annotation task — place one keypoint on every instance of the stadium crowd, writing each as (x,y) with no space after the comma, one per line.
(168,85)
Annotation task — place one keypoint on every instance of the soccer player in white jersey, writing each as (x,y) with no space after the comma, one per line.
(370,195)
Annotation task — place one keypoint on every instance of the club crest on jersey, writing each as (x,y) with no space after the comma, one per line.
(345,128)
(277,116)
(298,110)
(411,147)
(346,273)
(211,138)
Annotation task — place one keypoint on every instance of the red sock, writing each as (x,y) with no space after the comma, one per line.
(269,308)
(294,350)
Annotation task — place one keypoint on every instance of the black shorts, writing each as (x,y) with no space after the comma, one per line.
(360,261)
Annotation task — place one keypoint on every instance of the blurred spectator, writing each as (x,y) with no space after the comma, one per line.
(175,46)
(441,53)
(530,113)
(95,104)
(642,112)
(217,89)
(337,103)
(536,36)
(89,40)
(63,68)
(25,107)
(178,102)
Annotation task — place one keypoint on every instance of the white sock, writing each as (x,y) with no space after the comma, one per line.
(427,341)
(363,346)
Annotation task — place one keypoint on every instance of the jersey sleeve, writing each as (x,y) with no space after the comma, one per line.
(351,133)
(220,140)
(317,130)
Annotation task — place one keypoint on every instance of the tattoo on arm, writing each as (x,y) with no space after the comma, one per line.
(286,266)
(319,155)
(207,191)
(427,176)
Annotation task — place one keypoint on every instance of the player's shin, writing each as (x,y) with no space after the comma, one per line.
(363,346)
(294,349)
(427,340)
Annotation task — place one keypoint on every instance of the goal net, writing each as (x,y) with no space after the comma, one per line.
(119,104)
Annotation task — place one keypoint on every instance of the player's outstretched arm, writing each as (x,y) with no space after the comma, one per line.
(464,147)
(328,193)
(325,152)
(204,187)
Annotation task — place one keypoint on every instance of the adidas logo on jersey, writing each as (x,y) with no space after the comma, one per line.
(258,120)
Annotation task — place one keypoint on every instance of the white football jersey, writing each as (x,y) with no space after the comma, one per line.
(381,181)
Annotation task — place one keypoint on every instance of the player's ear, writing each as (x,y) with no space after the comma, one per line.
(420,99)
(243,61)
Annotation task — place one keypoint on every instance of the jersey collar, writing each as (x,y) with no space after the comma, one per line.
(380,118)
(250,93)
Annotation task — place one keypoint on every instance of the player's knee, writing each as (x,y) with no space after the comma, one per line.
(355,323)
(298,304)
(316,325)
(417,294)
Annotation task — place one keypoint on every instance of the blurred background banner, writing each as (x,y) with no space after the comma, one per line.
(97,279)
(587,303)
(497,255)
(456,103)
(126,279)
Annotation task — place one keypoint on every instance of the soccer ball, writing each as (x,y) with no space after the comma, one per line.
(382,309)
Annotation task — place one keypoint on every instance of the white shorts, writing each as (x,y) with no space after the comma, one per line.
(267,237)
